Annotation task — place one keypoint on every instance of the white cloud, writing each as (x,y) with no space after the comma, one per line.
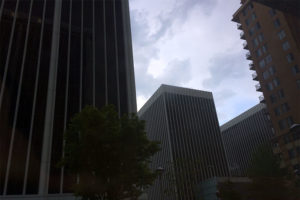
(192,43)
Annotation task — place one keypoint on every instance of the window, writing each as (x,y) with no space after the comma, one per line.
(257,26)
(281,94)
(264,48)
(295,69)
(282,125)
(270,86)
(262,63)
(253,16)
(247,21)
(276,23)
(276,82)
(296,136)
(286,139)
(258,53)
(266,75)
(244,12)
(285,45)
(260,37)
(292,153)
(290,57)
(290,121)
(250,7)
(277,111)
(269,59)
(255,42)
(298,83)
(273,98)
(251,31)
(272,70)
(281,34)
(272,12)
(285,107)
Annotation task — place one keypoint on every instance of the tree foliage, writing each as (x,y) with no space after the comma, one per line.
(109,155)
(226,191)
(270,181)
(265,164)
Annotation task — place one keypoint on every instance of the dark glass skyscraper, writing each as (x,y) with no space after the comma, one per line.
(185,122)
(56,56)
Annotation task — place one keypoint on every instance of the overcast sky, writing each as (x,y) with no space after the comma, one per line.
(194,44)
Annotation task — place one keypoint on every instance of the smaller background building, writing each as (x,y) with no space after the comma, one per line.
(208,189)
(243,134)
(185,122)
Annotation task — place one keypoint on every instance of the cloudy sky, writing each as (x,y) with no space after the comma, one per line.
(192,43)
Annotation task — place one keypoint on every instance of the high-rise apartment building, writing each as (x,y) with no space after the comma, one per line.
(243,135)
(288,6)
(272,38)
(56,56)
(185,122)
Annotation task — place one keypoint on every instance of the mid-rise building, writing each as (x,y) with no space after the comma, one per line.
(243,135)
(185,122)
(56,56)
(272,38)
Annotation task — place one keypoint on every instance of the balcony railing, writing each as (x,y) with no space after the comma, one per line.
(258,87)
(248,56)
(262,99)
(239,26)
(251,66)
(245,45)
(242,35)
(254,76)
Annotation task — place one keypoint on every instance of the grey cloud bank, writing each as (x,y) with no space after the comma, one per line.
(191,43)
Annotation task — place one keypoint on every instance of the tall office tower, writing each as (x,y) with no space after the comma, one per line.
(186,124)
(243,135)
(56,56)
(272,37)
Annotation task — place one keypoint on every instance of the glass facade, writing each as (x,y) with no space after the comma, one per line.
(93,67)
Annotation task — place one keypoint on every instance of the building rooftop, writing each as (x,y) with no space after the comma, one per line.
(243,116)
(174,90)
(287,6)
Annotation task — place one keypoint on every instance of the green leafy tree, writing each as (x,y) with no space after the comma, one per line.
(227,191)
(108,154)
(270,182)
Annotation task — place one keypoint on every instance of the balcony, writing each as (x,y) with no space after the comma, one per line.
(258,87)
(239,26)
(242,35)
(254,76)
(251,66)
(245,45)
(248,56)
(262,99)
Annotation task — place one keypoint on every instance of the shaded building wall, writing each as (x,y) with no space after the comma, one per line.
(55,58)
(191,139)
(243,135)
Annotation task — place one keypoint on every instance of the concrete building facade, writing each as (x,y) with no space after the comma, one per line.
(272,38)
(56,56)
(185,122)
(243,135)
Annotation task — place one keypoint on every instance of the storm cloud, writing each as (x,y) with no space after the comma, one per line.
(191,43)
